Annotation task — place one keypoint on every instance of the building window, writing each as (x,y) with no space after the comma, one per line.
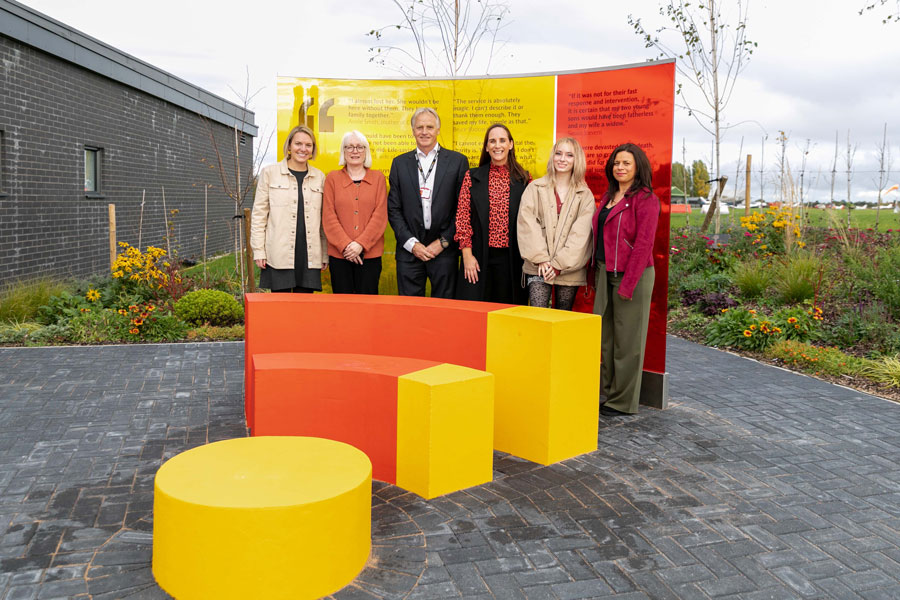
(91,170)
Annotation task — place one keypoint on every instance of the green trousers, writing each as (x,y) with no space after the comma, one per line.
(623,337)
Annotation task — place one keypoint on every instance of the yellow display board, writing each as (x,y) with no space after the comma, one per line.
(381,110)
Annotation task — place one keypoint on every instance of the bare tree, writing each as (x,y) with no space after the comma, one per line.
(802,173)
(893,14)
(834,168)
(447,35)
(762,168)
(884,171)
(851,153)
(737,176)
(236,185)
(711,55)
(782,159)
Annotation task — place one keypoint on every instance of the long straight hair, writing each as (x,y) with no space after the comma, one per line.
(643,176)
(576,175)
(516,171)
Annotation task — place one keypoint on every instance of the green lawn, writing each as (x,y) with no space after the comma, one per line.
(860,218)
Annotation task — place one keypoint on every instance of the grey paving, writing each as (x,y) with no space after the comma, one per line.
(756,483)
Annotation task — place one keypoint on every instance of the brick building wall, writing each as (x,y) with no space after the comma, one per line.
(50,110)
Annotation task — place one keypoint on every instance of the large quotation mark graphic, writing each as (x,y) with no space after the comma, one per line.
(303,108)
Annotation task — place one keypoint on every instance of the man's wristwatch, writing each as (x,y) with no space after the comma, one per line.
(444,243)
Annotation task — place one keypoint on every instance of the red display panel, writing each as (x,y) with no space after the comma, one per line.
(603,109)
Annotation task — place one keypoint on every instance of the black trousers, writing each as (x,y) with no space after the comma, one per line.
(497,281)
(352,278)
(441,270)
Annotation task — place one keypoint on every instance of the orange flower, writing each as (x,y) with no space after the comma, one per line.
(747,333)
(134,331)
(138,322)
(792,320)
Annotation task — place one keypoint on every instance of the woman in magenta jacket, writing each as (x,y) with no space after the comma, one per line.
(624,229)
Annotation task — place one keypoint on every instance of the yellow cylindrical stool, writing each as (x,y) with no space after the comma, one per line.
(262,517)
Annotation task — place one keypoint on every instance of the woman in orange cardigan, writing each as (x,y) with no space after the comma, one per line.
(354,216)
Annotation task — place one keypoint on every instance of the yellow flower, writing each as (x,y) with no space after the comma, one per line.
(752,327)
(792,320)
(134,331)
(724,310)
(801,244)
(751,311)
(138,322)
(92,295)
(747,333)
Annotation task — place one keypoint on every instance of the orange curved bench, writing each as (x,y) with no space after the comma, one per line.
(426,426)
(546,363)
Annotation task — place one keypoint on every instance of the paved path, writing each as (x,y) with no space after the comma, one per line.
(756,483)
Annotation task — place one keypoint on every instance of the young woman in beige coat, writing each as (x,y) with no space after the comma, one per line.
(554,228)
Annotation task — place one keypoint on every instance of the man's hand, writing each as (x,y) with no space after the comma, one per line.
(422,252)
(435,247)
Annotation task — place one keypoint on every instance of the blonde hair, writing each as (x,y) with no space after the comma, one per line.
(362,139)
(576,177)
(300,129)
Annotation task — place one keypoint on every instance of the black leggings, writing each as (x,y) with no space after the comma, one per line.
(539,293)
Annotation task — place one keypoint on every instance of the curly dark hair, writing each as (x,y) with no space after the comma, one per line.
(643,176)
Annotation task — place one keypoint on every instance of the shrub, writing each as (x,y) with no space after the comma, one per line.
(704,281)
(687,321)
(97,326)
(17,333)
(880,276)
(885,370)
(212,307)
(815,359)
(746,329)
(211,333)
(709,304)
(797,279)
(752,278)
(137,323)
(866,327)
(20,301)
(741,328)
(799,323)
(49,335)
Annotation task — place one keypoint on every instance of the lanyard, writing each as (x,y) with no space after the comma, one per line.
(425,175)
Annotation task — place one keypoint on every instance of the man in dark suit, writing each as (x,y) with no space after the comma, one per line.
(422,210)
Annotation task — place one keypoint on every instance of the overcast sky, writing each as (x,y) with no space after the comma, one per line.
(819,66)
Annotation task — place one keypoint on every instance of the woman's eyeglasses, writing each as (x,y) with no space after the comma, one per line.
(354,148)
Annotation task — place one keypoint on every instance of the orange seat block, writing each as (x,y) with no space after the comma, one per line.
(432,329)
(351,398)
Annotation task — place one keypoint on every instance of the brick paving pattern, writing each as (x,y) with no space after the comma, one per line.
(756,483)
